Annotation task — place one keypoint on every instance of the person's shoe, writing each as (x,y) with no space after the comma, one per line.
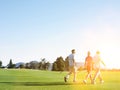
(65,79)
(101,81)
(93,82)
(74,81)
(84,81)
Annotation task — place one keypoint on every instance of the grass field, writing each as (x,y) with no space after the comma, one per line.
(46,80)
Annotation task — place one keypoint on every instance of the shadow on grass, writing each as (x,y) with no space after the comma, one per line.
(38,83)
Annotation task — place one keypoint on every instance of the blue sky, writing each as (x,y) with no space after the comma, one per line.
(35,29)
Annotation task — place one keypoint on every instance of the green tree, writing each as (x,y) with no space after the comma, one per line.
(11,65)
(66,64)
(55,67)
(0,63)
(27,65)
(59,64)
(47,64)
(34,65)
(22,66)
(43,64)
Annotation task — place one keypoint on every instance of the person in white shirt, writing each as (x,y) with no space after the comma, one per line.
(97,61)
(72,68)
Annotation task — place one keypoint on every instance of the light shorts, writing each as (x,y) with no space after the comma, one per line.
(71,69)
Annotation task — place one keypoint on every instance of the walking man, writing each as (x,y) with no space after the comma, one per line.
(97,62)
(72,68)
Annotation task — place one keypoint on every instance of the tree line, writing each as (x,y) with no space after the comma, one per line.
(58,65)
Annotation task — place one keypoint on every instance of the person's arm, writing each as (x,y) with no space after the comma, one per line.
(103,62)
(85,64)
(74,62)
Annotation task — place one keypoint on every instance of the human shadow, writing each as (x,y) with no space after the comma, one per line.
(38,83)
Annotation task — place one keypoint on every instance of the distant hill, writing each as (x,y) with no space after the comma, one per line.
(17,65)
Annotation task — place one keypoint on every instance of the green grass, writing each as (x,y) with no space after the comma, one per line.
(47,80)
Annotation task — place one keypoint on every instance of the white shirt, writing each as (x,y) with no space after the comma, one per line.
(97,61)
(71,59)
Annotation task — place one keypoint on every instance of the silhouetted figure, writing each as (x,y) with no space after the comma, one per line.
(72,68)
(88,65)
(97,61)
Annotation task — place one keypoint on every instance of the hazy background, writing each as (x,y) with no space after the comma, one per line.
(35,29)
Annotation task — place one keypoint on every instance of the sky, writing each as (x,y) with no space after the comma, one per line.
(35,29)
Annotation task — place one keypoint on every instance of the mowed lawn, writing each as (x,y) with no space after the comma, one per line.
(22,79)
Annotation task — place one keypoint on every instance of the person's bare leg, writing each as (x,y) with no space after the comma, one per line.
(87,76)
(95,76)
(100,78)
(67,76)
(74,79)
